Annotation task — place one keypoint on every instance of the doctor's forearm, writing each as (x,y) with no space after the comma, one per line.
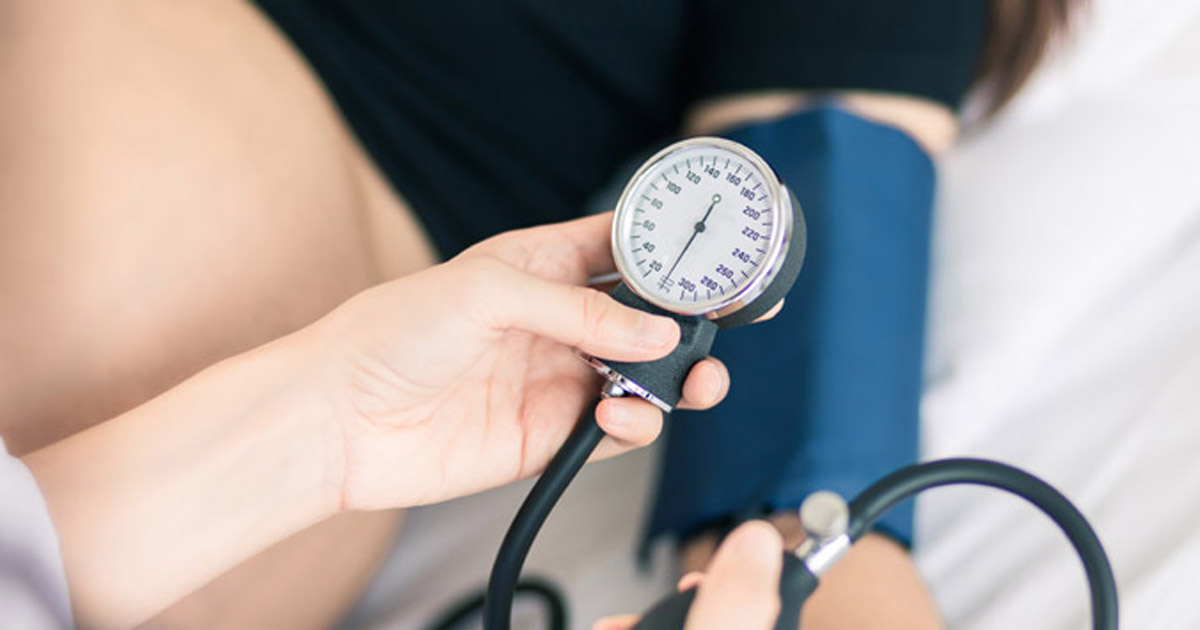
(153,504)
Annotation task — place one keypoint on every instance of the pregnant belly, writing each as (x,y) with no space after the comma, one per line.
(177,188)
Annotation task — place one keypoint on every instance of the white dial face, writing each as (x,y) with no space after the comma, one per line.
(697,227)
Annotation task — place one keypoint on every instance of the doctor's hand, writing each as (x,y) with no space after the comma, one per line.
(739,590)
(454,379)
(465,376)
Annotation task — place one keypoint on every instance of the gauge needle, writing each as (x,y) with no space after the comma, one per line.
(697,229)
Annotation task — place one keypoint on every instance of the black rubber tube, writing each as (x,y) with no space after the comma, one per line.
(551,597)
(903,484)
(506,572)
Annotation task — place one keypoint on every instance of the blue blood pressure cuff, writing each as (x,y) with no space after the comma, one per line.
(824,396)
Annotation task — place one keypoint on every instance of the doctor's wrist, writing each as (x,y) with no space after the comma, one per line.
(306,405)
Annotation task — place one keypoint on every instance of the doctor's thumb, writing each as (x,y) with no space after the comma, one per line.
(741,588)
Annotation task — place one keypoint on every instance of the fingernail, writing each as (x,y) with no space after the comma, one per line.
(655,332)
(618,418)
(723,388)
(758,541)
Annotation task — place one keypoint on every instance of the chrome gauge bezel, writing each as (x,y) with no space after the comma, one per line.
(777,245)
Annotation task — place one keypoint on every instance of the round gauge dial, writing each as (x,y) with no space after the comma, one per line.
(702,227)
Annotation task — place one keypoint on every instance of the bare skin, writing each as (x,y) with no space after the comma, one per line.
(176,188)
(876,570)
(375,405)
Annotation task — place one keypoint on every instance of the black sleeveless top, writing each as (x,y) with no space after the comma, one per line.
(489,115)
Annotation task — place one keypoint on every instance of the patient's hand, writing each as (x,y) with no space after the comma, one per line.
(465,376)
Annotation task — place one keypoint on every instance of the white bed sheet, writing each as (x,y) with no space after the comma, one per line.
(586,547)
(1065,330)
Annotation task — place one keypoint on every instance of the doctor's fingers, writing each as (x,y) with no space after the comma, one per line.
(503,298)
(631,422)
(706,385)
(741,588)
(559,251)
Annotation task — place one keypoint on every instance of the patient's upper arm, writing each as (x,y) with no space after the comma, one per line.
(930,123)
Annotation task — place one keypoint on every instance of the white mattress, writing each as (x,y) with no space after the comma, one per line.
(1065,330)
(587,548)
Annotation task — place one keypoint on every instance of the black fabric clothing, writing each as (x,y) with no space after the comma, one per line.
(493,115)
(925,48)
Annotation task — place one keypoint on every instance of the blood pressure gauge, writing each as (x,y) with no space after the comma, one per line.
(707,233)
(704,233)
(706,228)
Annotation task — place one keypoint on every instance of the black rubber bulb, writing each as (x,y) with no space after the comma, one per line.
(796,584)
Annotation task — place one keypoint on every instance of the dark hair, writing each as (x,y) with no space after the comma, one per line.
(1018,34)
